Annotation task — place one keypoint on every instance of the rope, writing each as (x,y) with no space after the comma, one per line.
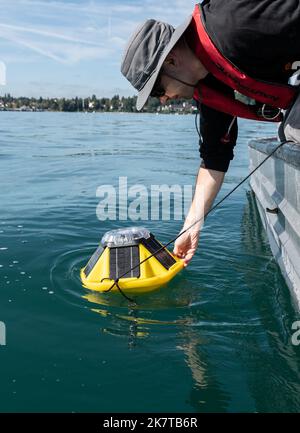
(116,283)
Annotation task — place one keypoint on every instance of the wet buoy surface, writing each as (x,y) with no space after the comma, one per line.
(134,257)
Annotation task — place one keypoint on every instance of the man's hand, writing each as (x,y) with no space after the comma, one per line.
(186,245)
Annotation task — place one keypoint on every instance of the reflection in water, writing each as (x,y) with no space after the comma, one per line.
(206,394)
(275,308)
(132,324)
(133,332)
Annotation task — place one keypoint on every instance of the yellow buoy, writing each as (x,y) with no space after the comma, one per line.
(123,255)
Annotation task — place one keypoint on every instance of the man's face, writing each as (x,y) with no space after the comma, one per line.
(174,89)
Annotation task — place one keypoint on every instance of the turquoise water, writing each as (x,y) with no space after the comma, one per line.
(217,338)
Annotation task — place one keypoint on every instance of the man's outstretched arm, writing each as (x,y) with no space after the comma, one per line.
(216,156)
(207,186)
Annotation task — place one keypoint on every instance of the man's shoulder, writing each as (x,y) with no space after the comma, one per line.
(257,36)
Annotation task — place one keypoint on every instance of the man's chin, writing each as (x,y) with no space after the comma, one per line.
(187,97)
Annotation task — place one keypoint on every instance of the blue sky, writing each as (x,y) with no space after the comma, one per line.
(74,47)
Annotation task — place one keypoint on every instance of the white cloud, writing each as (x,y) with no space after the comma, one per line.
(50,34)
(72,33)
(54,45)
(103,24)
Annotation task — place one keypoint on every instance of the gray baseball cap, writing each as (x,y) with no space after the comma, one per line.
(145,53)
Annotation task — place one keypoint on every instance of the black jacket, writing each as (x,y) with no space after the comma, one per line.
(262,38)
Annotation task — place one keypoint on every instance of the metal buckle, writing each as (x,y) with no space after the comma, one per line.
(265,116)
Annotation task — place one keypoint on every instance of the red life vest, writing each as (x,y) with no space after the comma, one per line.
(268,96)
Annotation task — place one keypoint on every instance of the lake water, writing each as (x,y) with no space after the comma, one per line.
(216,339)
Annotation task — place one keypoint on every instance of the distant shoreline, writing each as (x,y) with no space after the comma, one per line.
(98,112)
(93,104)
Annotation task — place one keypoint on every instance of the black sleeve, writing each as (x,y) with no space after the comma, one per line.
(214,125)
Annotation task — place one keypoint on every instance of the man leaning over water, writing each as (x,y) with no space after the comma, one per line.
(234,58)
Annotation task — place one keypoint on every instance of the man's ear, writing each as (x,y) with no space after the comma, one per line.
(170,61)
(171,58)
